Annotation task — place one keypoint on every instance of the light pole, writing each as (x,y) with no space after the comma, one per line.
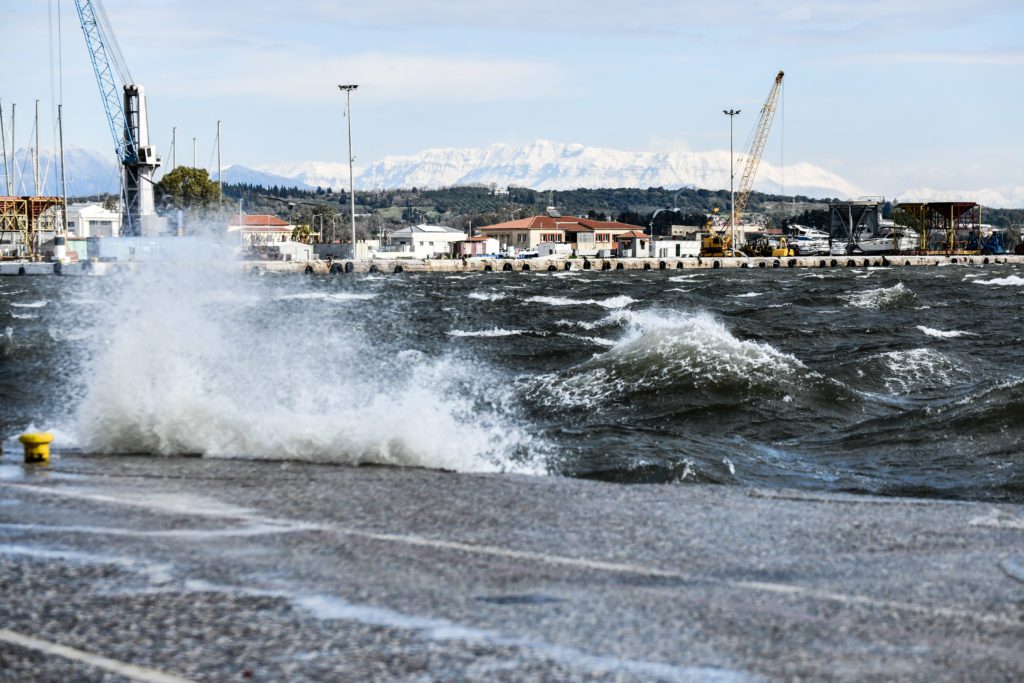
(731,113)
(347,89)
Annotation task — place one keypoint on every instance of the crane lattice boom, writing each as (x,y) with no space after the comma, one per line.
(758,140)
(110,90)
(125,106)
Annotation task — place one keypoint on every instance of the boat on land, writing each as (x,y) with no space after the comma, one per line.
(885,241)
(808,241)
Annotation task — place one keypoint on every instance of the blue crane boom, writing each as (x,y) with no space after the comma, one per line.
(125,106)
(110,92)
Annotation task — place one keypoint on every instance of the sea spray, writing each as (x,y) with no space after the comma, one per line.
(202,358)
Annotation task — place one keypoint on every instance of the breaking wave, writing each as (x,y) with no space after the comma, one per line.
(495,332)
(945,334)
(1010,280)
(487,296)
(326,296)
(884,298)
(174,370)
(669,351)
(611,302)
(916,369)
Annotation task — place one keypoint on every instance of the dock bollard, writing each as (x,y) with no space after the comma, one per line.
(37,446)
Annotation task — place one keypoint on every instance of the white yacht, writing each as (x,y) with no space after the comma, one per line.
(808,241)
(885,241)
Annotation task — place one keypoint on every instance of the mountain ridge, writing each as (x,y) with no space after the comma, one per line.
(540,165)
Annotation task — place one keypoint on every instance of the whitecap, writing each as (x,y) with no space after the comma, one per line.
(1011,280)
(487,296)
(327,296)
(883,297)
(909,369)
(662,347)
(599,341)
(30,304)
(613,302)
(495,332)
(944,334)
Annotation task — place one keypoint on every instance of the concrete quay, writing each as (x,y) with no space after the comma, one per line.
(176,569)
(343,266)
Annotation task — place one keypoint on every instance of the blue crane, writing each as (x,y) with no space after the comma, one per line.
(125,104)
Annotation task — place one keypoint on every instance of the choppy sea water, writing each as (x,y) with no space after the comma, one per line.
(893,381)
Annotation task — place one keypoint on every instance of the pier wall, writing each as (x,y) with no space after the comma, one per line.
(541,265)
(612,264)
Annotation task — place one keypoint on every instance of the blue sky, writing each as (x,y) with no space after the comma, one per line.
(889,94)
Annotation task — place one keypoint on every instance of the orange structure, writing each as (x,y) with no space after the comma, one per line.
(21,221)
(941,227)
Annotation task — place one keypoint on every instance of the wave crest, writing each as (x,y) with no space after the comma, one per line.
(664,351)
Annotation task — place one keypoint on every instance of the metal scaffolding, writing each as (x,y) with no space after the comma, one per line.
(942,227)
(23,220)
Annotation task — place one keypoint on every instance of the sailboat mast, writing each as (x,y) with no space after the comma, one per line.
(14,153)
(63,177)
(220,187)
(35,156)
(3,143)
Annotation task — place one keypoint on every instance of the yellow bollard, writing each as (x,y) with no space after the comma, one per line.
(37,446)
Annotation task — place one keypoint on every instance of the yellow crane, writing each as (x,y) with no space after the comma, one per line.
(719,243)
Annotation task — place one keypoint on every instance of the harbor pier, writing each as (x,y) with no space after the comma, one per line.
(544,265)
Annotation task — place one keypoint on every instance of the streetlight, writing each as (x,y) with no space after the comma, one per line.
(347,89)
(732,176)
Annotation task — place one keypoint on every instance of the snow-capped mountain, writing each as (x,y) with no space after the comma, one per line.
(88,172)
(999,197)
(250,176)
(540,165)
(312,174)
(545,165)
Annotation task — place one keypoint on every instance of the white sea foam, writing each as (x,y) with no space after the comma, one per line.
(29,304)
(600,341)
(327,296)
(171,371)
(919,368)
(613,302)
(586,325)
(24,316)
(748,295)
(1010,280)
(883,297)
(487,296)
(663,347)
(944,334)
(495,332)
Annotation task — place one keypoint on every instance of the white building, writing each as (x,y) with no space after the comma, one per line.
(423,241)
(92,220)
(260,229)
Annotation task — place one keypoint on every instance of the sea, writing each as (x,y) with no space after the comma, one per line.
(883,381)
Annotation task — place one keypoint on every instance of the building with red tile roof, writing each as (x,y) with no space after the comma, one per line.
(527,233)
(260,228)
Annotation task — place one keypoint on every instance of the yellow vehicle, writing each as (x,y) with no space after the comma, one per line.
(715,244)
(782,249)
(766,246)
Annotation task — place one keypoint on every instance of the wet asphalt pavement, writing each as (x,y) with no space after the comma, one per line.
(164,569)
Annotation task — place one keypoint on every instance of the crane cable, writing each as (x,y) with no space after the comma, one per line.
(119,63)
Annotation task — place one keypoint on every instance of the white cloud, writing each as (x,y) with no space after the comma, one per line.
(390,76)
(990,58)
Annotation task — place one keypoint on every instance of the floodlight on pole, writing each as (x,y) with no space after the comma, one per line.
(347,89)
(731,113)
